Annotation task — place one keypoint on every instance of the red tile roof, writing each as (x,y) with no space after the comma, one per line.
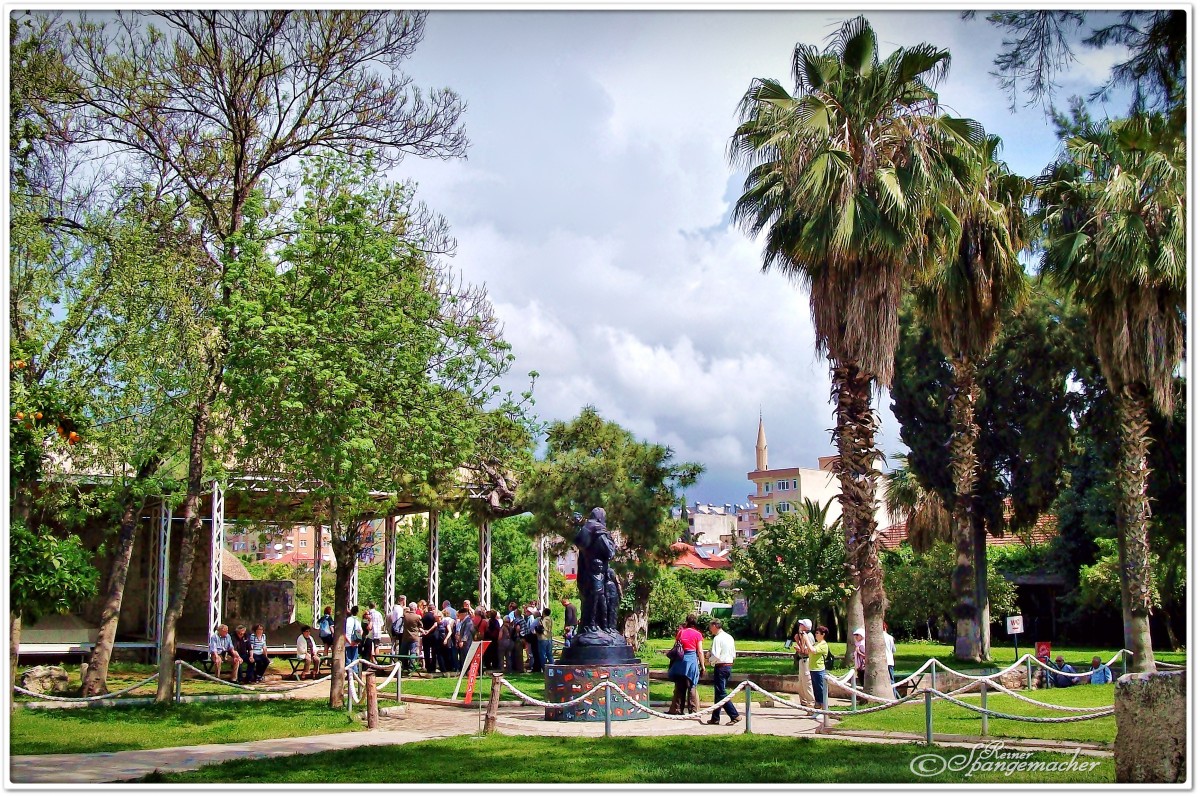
(1044,530)
(686,556)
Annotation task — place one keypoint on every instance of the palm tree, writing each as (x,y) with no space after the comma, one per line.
(1114,209)
(925,516)
(964,296)
(841,178)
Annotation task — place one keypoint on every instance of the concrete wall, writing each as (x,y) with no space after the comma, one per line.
(1151,711)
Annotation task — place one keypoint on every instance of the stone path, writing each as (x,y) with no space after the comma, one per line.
(420,723)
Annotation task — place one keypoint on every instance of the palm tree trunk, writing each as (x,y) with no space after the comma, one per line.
(858,478)
(1133,512)
(965,433)
(982,605)
(187,549)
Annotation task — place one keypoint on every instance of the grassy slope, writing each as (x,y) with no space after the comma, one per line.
(95,730)
(508,759)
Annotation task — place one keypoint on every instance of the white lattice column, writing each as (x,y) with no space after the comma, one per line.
(434,559)
(485,564)
(163,539)
(543,572)
(319,534)
(354,583)
(153,571)
(218,545)
(389,563)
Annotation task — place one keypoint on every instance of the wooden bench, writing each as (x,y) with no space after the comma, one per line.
(296,661)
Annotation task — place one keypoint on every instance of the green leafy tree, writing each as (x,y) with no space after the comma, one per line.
(219,104)
(1115,216)
(793,568)
(670,603)
(843,177)
(590,462)
(347,367)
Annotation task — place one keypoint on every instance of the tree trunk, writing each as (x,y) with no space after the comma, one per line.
(854,619)
(636,626)
(1133,513)
(187,549)
(858,478)
(982,605)
(963,468)
(96,682)
(343,556)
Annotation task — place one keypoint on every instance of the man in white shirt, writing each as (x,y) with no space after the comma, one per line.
(376,623)
(306,649)
(354,632)
(721,657)
(221,649)
(889,647)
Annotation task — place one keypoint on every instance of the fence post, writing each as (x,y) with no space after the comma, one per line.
(929,716)
(825,708)
(493,705)
(178,680)
(607,709)
(749,703)
(854,688)
(983,705)
(399,683)
(349,693)
(1028,674)
(372,701)
(933,673)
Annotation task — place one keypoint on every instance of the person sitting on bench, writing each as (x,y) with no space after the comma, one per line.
(306,650)
(221,649)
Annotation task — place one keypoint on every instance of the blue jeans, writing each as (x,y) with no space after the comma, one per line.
(721,673)
(351,653)
(892,681)
(546,648)
(818,682)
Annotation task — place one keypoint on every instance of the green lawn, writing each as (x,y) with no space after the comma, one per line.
(948,718)
(634,760)
(122,675)
(97,730)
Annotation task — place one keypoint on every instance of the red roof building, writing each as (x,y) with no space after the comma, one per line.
(688,556)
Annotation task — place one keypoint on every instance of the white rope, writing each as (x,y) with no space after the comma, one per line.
(543,704)
(108,696)
(245,688)
(694,715)
(1048,668)
(1019,718)
(784,701)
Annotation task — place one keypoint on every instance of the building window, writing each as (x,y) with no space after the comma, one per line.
(784,506)
(767,509)
(303,543)
(793,484)
(782,484)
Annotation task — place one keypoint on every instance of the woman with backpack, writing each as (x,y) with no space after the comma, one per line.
(816,667)
(687,668)
(325,629)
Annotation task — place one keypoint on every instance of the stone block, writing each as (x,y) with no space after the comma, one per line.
(1151,711)
(44,679)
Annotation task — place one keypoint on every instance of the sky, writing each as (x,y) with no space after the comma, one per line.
(595,201)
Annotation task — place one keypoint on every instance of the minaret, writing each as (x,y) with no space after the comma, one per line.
(760,449)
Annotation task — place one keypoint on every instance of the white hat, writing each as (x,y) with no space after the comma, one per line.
(807,624)
(858,632)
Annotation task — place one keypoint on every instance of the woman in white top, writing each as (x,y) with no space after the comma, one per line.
(803,642)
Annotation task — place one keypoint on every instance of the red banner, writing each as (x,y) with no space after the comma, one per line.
(1043,649)
(474,671)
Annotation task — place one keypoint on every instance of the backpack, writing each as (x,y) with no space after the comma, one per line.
(830,661)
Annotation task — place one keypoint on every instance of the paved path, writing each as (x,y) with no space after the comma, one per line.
(420,723)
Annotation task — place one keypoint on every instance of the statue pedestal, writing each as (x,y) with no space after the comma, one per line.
(569,681)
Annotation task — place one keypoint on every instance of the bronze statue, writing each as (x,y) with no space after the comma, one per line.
(596,638)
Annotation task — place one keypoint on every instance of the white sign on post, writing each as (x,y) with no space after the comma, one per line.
(1016,625)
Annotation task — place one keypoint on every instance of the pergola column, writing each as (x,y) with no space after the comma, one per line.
(543,572)
(485,564)
(389,562)
(434,559)
(319,533)
(354,582)
(215,564)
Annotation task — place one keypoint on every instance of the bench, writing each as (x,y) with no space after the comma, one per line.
(296,661)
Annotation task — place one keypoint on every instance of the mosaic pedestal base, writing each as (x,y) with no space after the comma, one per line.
(567,682)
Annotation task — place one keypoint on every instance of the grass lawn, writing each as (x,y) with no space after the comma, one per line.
(122,675)
(948,718)
(633,760)
(97,730)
